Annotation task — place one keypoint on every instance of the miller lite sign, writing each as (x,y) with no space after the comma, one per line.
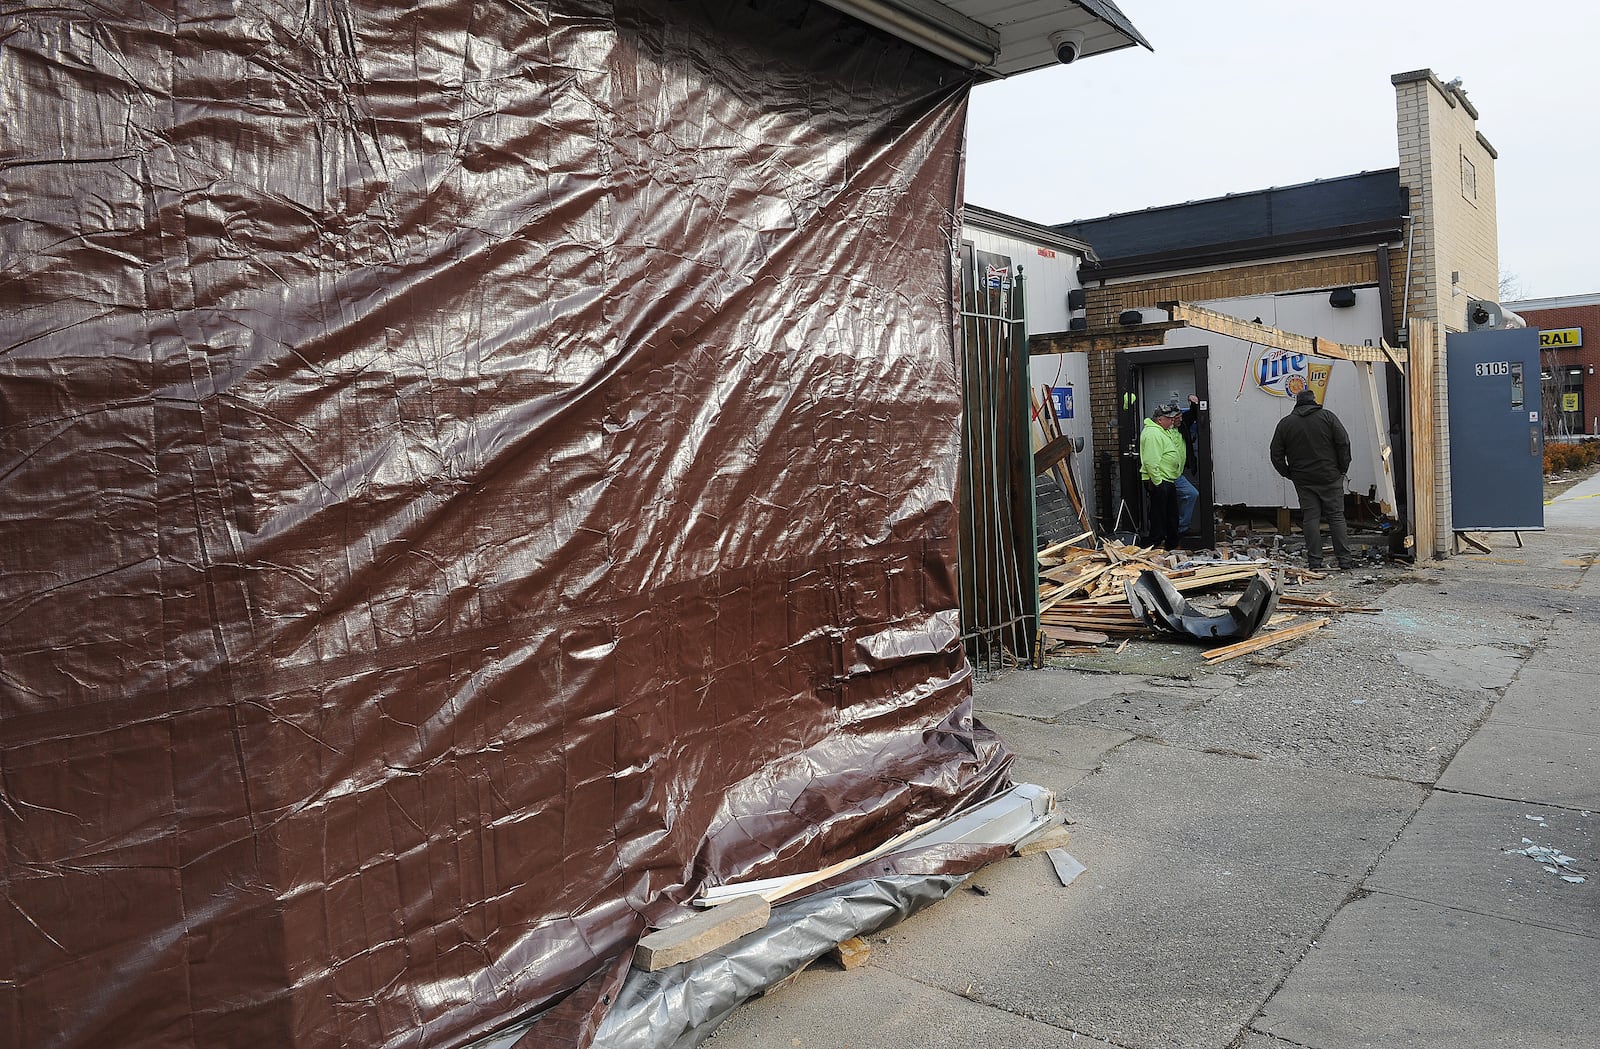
(1284,374)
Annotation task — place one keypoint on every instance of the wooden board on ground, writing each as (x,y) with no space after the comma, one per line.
(701,933)
(1260,641)
(1067,545)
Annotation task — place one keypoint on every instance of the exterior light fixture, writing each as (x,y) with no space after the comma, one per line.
(969,49)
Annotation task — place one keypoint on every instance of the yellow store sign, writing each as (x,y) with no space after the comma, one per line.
(1569,402)
(1561,339)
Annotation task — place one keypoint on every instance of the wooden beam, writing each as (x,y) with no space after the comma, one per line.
(1053,837)
(1058,449)
(1276,338)
(1422,354)
(1187,315)
(1260,641)
(1102,340)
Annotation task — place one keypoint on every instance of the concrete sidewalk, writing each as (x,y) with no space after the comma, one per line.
(1314,846)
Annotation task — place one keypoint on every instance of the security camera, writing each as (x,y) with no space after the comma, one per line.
(1068,45)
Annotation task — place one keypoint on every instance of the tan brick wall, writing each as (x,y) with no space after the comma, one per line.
(1229,282)
(1454,234)
(1103,402)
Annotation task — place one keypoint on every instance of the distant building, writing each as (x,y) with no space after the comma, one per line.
(1569,326)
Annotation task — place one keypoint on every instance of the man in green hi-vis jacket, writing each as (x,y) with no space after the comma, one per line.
(1161,458)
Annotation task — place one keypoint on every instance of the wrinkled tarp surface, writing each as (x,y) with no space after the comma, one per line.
(473,473)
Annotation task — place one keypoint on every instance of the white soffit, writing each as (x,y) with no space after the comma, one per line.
(1000,38)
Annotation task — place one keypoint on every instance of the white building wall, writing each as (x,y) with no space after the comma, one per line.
(1243,415)
(1050,274)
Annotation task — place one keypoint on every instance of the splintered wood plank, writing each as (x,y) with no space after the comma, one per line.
(1325,601)
(1257,643)
(1066,545)
(1073,577)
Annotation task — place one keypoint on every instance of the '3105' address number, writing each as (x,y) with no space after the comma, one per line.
(1493,368)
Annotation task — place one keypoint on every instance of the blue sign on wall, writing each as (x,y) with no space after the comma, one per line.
(1062,395)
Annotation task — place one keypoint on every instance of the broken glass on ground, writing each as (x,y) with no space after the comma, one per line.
(1551,858)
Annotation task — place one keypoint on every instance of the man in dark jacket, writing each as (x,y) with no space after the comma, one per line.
(1311,448)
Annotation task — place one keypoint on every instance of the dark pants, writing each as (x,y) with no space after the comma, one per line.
(1319,502)
(1163,514)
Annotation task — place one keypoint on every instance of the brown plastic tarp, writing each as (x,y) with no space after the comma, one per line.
(473,474)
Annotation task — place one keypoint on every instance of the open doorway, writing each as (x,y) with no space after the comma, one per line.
(1145,379)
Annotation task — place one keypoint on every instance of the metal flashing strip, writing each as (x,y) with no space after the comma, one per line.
(932,27)
(999,38)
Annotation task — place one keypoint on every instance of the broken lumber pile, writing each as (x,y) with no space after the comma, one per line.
(1083,599)
(1083,592)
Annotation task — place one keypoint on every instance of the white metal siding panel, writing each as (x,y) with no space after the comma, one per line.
(1048,279)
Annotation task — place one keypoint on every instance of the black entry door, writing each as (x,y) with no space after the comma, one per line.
(1145,379)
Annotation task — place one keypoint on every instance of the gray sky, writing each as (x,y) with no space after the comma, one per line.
(1240,95)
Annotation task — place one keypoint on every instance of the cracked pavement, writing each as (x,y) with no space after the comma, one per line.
(1323,845)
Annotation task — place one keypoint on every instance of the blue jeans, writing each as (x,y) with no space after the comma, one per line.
(1188,495)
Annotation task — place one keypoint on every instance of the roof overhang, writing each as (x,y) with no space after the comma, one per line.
(1355,235)
(998,38)
(1021,229)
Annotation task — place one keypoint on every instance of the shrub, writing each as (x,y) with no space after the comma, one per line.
(1562,456)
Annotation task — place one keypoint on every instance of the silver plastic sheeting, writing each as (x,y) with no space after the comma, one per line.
(679,1008)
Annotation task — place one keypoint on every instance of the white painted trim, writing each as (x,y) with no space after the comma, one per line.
(1555,302)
